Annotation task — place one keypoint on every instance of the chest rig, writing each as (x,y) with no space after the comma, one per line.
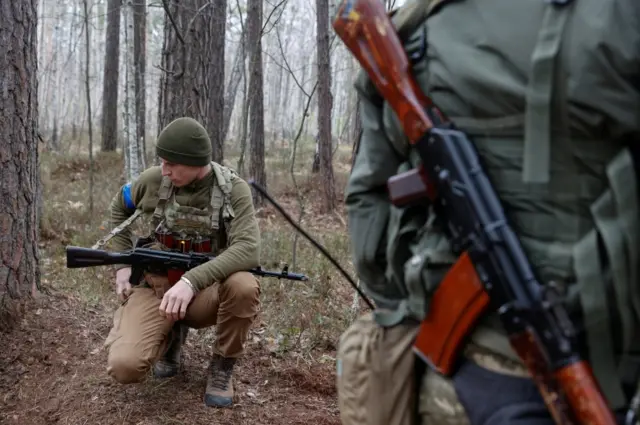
(188,229)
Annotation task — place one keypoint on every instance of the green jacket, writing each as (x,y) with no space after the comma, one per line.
(243,252)
(550,117)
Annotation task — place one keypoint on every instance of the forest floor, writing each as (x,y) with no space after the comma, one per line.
(53,363)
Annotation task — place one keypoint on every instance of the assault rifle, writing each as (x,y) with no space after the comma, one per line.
(174,263)
(492,271)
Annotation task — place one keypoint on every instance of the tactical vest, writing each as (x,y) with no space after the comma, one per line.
(546,175)
(191,224)
(175,224)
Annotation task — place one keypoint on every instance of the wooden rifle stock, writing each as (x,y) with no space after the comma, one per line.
(571,393)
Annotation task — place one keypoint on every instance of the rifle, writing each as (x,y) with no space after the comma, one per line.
(492,271)
(174,263)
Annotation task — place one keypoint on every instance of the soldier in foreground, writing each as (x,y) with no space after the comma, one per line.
(550,94)
(187,201)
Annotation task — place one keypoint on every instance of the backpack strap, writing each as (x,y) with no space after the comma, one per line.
(164,193)
(606,264)
(221,194)
(537,138)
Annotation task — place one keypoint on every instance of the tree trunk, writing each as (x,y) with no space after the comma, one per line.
(87,77)
(110,83)
(139,66)
(325,102)
(218,22)
(256,123)
(133,150)
(188,56)
(19,183)
(237,73)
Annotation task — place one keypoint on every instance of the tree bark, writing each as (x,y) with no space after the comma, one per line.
(110,83)
(256,105)
(237,72)
(19,182)
(133,149)
(139,66)
(190,57)
(325,104)
(218,22)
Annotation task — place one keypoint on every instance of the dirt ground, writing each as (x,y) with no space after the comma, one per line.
(52,371)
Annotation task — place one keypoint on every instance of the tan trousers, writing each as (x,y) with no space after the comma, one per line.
(376,384)
(139,334)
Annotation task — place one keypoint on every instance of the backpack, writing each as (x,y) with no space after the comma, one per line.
(602,265)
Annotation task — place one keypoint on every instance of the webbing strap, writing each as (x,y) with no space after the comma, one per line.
(117,229)
(220,195)
(164,193)
(537,140)
(606,220)
(597,321)
(624,186)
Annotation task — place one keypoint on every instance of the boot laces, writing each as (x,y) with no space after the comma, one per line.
(221,373)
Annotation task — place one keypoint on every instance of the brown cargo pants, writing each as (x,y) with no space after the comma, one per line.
(139,334)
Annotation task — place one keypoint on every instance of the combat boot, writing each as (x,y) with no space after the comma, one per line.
(169,364)
(219,392)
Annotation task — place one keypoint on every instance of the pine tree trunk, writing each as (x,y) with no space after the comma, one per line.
(110,84)
(256,116)
(187,81)
(139,66)
(19,181)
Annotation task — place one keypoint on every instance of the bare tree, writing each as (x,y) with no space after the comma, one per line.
(19,181)
(256,124)
(237,73)
(216,70)
(134,146)
(188,63)
(111,73)
(87,78)
(139,66)
(325,104)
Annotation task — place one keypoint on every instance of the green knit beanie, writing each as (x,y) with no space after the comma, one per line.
(184,141)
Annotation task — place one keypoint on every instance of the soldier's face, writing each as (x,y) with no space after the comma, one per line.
(179,174)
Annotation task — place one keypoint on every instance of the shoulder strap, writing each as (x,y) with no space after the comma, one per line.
(409,16)
(164,193)
(221,194)
(606,264)
(544,61)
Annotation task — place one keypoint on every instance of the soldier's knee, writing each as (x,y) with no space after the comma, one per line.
(125,366)
(241,294)
(241,286)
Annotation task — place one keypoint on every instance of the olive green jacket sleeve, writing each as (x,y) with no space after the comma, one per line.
(142,195)
(243,252)
(366,197)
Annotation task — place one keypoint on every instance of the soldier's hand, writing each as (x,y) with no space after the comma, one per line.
(123,287)
(176,300)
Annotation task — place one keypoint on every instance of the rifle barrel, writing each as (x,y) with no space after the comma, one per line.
(79,257)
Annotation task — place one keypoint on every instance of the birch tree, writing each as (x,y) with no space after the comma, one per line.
(134,152)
